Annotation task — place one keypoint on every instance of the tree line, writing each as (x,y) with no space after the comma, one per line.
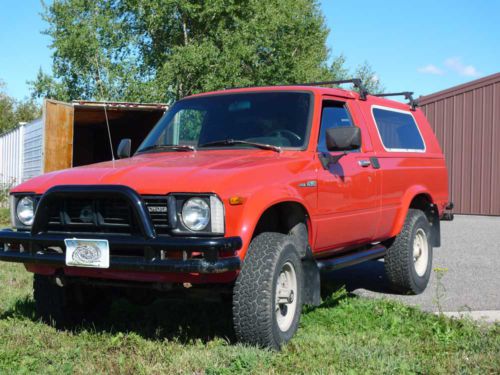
(13,111)
(163,50)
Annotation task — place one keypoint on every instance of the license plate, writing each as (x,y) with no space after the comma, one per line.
(87,253)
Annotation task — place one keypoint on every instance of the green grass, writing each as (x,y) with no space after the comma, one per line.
(4,217)
(344,335)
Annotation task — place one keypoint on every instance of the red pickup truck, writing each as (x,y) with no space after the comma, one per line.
(251,192)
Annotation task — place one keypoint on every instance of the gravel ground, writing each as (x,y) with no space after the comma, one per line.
(470,257)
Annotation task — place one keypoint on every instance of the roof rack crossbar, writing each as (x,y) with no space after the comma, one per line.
(358,83)
(413,103)
(355,81)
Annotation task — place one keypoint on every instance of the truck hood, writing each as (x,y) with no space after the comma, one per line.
(160,173)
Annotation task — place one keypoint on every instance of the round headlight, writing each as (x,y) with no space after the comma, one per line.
(26,211)
(196,214)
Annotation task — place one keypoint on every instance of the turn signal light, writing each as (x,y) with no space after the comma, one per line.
(236,200)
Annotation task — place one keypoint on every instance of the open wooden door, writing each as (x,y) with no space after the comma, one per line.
(58,135)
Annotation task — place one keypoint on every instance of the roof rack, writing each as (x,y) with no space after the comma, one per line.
(355,81)
(358,83)
(407,94)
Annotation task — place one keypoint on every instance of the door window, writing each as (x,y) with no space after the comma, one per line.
(333,115)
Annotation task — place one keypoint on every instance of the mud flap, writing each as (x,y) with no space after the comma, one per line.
(435,229)
(312,282)
(311,291)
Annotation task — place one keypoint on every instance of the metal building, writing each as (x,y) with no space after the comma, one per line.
(466,120)
(32,149)
(11,148)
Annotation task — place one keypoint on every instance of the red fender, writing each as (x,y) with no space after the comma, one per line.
(406,200)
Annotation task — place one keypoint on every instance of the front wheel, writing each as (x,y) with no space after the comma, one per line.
(267,297)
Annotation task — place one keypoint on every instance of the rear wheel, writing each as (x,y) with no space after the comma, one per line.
(408,261)
(267,297)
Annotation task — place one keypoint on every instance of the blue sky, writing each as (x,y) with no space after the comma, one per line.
(422,46)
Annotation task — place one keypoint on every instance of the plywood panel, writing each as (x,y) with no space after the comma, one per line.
(58,135)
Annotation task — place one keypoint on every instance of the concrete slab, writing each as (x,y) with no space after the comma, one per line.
(470,280)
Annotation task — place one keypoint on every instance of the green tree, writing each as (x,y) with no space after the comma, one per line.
(369,78)
(12,111)
(7,113)
(161,50)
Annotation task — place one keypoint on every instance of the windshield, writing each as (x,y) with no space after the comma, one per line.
(270,118)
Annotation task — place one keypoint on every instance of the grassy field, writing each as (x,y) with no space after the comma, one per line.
(4,217)
(345,334)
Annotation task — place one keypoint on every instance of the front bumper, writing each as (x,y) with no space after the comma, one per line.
(39,249)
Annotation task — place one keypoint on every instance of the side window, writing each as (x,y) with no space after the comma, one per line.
(398,130)
(333,115)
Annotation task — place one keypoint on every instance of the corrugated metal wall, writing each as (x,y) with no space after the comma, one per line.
(11,157)
(33,143)
(466,120)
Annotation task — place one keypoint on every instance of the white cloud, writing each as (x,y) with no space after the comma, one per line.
(456,65)
(430,69)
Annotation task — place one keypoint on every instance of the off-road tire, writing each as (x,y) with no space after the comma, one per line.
(69,305)
(399,259)
(254,295)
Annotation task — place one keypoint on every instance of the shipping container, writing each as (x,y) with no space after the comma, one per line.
(466,120)
(73,134)
(76,134)
(33,143)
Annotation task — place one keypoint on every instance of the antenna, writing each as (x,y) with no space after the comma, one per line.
(100,84)
(109,132)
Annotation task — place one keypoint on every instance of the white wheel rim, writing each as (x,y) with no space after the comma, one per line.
(420,252)
(286,297)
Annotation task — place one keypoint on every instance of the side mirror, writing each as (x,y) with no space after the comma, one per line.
(343,138)
(124,148)
(340,139)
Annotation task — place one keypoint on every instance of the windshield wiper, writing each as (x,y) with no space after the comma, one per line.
(224,142)
(168,147)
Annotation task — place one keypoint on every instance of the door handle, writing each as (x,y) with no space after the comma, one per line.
(364,163)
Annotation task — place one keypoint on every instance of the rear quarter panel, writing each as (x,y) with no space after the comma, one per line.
(406,174)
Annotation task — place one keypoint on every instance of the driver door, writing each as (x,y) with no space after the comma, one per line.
(349,190)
